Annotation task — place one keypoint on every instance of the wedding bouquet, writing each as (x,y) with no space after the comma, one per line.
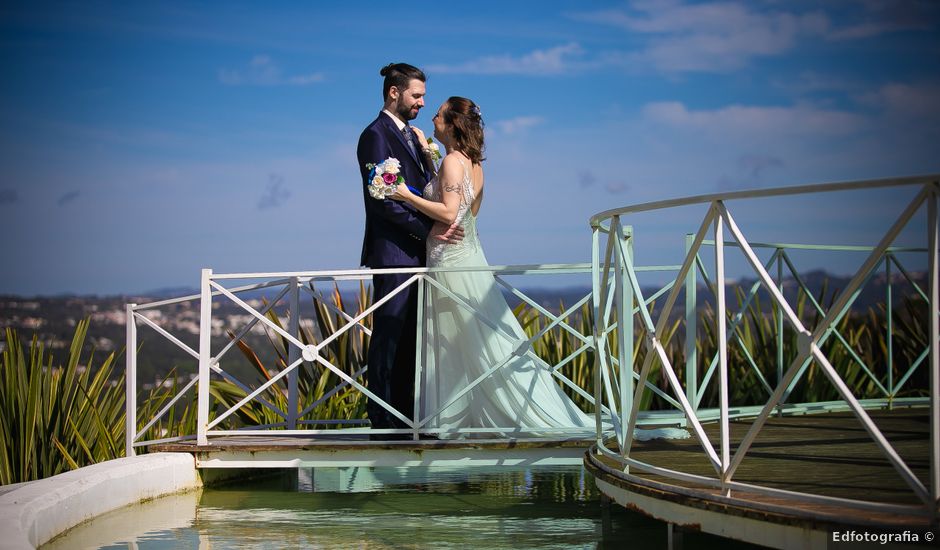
(384,177)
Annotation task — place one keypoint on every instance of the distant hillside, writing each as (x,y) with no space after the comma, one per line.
(52,319)
(871,294)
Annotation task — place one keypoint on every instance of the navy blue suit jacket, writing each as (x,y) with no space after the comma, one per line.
(395,232)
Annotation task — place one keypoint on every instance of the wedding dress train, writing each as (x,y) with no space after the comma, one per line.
(466,344)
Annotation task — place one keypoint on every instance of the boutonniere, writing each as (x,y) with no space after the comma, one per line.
(434,150)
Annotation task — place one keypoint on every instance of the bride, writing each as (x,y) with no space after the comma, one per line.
(520,397)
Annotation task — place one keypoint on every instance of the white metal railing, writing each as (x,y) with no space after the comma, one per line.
(618,303)
(291,418)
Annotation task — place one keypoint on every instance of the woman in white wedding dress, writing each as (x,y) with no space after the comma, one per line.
(516,395)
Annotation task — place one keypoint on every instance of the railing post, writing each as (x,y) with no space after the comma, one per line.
(691,329)
(889,337)
(293,354)
(130,379)
(722,330)
(419,355)
(205,357)
(599,328)
(934,281)
(780,253)
(625,299)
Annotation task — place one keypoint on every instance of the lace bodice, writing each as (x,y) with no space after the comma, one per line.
(441,253)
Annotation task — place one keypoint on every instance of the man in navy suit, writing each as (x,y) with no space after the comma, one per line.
(395,236)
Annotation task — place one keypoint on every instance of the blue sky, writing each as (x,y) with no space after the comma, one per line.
(141,143)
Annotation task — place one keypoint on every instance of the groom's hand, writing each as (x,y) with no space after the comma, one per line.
(453,235)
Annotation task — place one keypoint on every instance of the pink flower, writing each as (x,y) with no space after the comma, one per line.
(390,179)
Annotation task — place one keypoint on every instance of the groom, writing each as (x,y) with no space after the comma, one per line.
(395,236)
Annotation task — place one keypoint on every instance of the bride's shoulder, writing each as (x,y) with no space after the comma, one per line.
(451,165)
(454,159)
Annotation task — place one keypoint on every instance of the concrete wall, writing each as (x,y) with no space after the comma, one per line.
(35,512)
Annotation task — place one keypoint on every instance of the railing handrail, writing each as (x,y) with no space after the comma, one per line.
(765,193)
(369,272)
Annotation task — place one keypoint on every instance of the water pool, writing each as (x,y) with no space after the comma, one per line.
(552,507)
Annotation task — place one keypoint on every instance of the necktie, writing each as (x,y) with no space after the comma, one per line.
(410,140)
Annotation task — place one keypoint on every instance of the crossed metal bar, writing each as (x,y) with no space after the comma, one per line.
(781,256)
(213,285)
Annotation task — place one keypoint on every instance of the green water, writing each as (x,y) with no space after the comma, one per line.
(387,508)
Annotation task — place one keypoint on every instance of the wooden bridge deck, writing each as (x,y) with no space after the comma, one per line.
(339,450)
(826,454)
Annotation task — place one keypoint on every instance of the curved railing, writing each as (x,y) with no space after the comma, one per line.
(619,303)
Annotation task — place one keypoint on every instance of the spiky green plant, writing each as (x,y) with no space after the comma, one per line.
(347,352)
(56,417)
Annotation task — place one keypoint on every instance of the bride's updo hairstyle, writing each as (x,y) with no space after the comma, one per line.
(399,75)
(463,117)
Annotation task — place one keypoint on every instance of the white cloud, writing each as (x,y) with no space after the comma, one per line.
(517,125)
(616,188)
(263,71)
(709,37)
(910,101)
(550,61)
(809,82)
(751,120)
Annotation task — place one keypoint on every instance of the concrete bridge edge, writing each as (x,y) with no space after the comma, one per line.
(34,513)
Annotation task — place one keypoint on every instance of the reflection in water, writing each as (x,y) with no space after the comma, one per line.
(387,508)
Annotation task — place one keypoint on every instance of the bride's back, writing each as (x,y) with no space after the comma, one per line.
(467,179)
(476,183)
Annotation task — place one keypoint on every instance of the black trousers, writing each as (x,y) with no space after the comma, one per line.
(392,350)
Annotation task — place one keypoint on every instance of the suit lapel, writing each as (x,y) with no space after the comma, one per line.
(393,128)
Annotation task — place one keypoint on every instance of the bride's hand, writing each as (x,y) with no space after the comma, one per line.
(422,141)
(401,193)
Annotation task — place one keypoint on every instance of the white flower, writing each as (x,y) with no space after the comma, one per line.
(435,150)
(377,180)
(380,169)
(391,165)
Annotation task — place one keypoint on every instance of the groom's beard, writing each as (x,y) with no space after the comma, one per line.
(407,113)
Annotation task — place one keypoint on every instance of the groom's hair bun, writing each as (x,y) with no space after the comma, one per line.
(399,75)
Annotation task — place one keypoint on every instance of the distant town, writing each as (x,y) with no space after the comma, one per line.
(52,320)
